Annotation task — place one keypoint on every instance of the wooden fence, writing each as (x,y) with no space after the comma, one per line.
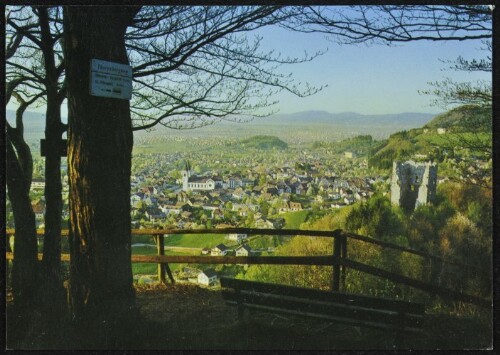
(338,260)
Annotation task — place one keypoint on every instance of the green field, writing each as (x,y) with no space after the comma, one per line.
(143,268)
(185,240)
(149,268)
(266,241)
(293,220)
(195,240)
(144,239)
(177,240)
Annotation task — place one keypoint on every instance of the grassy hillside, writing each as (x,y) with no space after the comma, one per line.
(463,118)
(264,143)
(465,123)
(406,145)
(293,220)
(195,240)
(361,145)
(399,146)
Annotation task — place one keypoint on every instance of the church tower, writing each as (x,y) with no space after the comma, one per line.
(186,173)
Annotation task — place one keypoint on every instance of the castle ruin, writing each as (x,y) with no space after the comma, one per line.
(413,184)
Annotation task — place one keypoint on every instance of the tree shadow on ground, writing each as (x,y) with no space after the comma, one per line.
(187,317)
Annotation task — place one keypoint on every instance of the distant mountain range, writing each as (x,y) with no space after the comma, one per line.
(409,119)
(380,126)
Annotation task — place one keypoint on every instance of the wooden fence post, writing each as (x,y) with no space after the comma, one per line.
(169,272)
(337,249)
(160,245)
(343,255)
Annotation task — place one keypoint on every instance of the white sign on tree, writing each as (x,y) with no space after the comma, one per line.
(109,79)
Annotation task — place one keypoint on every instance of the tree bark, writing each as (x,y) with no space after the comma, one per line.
(99,165)
(51,263)
(24,270)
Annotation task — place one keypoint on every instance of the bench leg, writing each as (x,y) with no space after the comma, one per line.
(169,273)
(399,340)
(241,312)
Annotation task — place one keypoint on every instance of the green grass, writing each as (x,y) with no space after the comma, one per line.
(293,220)
(145,239)
(144,269)
(185,240)
(150,268)
(143,251)
(266,241)
(195,240)
(174,267)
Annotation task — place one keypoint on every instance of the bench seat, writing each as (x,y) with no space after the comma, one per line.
(358,310)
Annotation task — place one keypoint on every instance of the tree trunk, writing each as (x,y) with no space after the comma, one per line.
(24,270)
(99,165)
(51,263)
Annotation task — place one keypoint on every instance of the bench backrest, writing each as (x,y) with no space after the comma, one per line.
(326,296)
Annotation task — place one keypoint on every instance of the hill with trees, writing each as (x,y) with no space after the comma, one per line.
(361,145)
(468,127)
(264,143)
(461,118)
(399,146)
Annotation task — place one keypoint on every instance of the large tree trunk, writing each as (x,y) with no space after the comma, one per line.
(99,163)
(24,270)
(51,263)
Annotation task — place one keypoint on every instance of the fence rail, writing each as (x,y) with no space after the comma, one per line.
(338,260)
(284,232)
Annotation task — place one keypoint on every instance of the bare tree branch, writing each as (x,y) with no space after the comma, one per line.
(396,23)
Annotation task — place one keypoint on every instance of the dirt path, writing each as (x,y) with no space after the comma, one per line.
(198,318)
(192,317)
(189,317)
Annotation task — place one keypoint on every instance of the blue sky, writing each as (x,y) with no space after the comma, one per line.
(372,79)
(369,79)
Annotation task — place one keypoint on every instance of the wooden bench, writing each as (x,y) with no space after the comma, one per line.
(395,316)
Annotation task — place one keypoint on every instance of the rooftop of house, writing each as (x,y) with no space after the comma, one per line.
(200,179)
(246,247)
(221,247)
(210,272)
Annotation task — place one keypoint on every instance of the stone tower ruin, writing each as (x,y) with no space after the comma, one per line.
(413,184)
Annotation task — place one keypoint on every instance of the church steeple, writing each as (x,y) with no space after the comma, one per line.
(187,166)
(186,173)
